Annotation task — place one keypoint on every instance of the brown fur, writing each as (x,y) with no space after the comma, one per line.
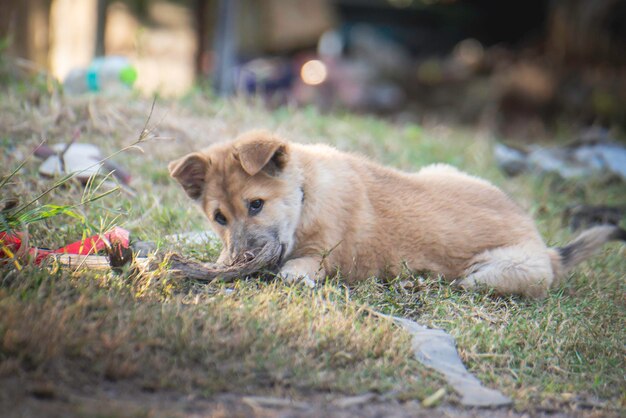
(335,212)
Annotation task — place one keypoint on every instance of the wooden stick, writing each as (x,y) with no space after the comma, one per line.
(264,261)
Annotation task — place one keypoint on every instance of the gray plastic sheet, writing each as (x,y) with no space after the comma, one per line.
(436,349)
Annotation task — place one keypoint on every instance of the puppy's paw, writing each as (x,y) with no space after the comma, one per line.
(465,283)
(291,276)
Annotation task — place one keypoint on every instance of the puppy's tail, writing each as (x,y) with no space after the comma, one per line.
(563,259)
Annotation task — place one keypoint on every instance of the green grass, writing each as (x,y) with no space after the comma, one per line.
(85,329)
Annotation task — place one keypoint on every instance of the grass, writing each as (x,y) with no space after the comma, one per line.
(86,329)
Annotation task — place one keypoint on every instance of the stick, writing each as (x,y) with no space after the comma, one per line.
(265,261)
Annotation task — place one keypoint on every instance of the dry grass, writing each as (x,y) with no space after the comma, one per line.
(247,338)
(82,330)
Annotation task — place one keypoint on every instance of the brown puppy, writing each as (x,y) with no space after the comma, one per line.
(334,212)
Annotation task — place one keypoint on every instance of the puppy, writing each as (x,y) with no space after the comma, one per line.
(339,213)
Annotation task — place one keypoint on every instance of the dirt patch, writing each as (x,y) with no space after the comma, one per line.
(44,398)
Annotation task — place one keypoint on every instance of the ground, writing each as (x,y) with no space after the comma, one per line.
(85,343)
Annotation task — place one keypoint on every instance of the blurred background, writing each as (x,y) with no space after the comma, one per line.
(520,67)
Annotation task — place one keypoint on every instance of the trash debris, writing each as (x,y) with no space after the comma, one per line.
(512,161)
(585,216)
(121,252)
(116,241)
(94,262)
(436,349)
(265,75)
(593,155)
(83,159)
(111,75)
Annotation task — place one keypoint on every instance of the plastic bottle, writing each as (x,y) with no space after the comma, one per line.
(110,75)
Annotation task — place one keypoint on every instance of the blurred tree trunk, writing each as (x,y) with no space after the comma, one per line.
(587,31)
(101,24)
(27,25)
(226,47)
(204,11)
(8,10)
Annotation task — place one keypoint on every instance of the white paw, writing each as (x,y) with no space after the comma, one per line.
(468,282)
(289,276)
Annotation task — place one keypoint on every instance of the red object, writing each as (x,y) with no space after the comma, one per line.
(90,245)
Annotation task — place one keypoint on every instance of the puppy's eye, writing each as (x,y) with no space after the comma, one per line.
(255,206)
(220,218)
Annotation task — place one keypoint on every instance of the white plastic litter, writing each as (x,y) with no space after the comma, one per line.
(436,349)
(78,158)
(583,159)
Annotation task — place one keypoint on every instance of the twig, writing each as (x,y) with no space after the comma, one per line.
(265,261)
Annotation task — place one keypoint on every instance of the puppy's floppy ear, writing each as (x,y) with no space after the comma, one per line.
(190,172)
(260,151)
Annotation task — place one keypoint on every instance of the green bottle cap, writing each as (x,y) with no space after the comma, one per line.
(128,75)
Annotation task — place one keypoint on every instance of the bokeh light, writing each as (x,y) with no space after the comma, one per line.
(313,72)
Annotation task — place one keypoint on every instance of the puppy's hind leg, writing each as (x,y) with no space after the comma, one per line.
(521,269)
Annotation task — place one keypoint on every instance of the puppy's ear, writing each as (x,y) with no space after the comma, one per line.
(262,152)
(190,172)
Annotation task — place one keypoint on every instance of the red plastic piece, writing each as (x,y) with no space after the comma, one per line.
(90,245)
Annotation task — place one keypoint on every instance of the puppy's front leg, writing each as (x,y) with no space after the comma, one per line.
(305,269)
